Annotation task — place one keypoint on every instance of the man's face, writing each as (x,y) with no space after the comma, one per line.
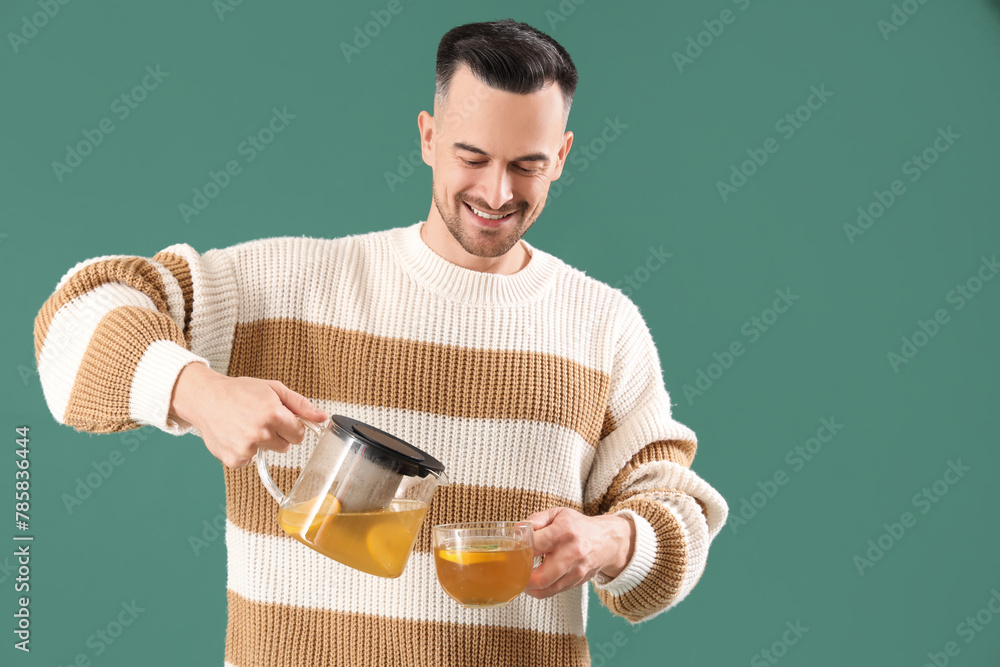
(496,152)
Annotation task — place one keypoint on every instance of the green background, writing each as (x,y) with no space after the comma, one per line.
(654,185)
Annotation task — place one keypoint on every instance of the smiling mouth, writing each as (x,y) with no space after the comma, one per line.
(487,219)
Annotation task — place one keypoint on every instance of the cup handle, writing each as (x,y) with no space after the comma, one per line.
(265,474)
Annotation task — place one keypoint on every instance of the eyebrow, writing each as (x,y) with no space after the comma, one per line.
(531,157)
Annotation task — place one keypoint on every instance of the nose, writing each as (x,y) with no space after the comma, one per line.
(497,186)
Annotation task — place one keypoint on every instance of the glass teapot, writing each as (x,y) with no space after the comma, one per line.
(361,497)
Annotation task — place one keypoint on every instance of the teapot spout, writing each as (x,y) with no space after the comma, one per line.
(442,479)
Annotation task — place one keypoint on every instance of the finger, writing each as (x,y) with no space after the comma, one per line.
(235,462)
(540,520)
(552,569)
(548,539)
(277,434)
(562,575)
(564,583)
(288,427)
(297,403)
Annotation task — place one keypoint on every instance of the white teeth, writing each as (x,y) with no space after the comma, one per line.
(488,217)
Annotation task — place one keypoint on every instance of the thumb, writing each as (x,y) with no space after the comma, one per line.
(298,404)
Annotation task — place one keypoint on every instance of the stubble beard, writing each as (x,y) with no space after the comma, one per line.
(485,242)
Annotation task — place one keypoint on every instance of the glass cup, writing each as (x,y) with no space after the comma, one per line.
(484,565)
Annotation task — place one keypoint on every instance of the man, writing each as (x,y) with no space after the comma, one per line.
(538,387)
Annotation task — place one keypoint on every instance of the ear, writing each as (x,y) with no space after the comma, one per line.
(567,142)
(425,124)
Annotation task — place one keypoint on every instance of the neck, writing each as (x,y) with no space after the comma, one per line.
(437,237)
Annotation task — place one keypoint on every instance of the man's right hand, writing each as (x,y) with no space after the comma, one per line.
(236,416)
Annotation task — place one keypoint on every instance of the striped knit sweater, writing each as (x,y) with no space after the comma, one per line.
(537,389)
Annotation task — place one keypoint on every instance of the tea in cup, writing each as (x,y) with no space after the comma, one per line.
(484,565)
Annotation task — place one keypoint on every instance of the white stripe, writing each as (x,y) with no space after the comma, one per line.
(153,384)
(651,423)
(217,303)
(69,335)
(643,557)
(175,297)
(336,295)
(506,453)
(280,570)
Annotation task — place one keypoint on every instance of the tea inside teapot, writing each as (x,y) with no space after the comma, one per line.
(361,497)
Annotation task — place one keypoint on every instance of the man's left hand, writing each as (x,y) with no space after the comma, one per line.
(576,548)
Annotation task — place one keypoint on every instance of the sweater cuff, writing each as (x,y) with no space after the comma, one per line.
(643,556)
(153,384)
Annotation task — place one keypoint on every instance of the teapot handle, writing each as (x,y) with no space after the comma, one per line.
(265,475)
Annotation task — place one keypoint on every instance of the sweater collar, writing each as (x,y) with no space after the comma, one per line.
(473,287)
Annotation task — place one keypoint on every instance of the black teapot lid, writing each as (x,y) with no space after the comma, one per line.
(411,460)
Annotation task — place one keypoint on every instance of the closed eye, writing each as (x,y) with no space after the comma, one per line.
(474,163)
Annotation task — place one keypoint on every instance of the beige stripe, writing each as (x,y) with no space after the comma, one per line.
(272,635)
(678,451)
(249,506)
(132,271)
(99,400)
(664,581)
(324,362)
(178,266)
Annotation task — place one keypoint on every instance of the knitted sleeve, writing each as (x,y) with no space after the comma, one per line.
(642,469)
(112,338)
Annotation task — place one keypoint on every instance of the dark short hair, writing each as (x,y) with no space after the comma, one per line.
(506,55)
